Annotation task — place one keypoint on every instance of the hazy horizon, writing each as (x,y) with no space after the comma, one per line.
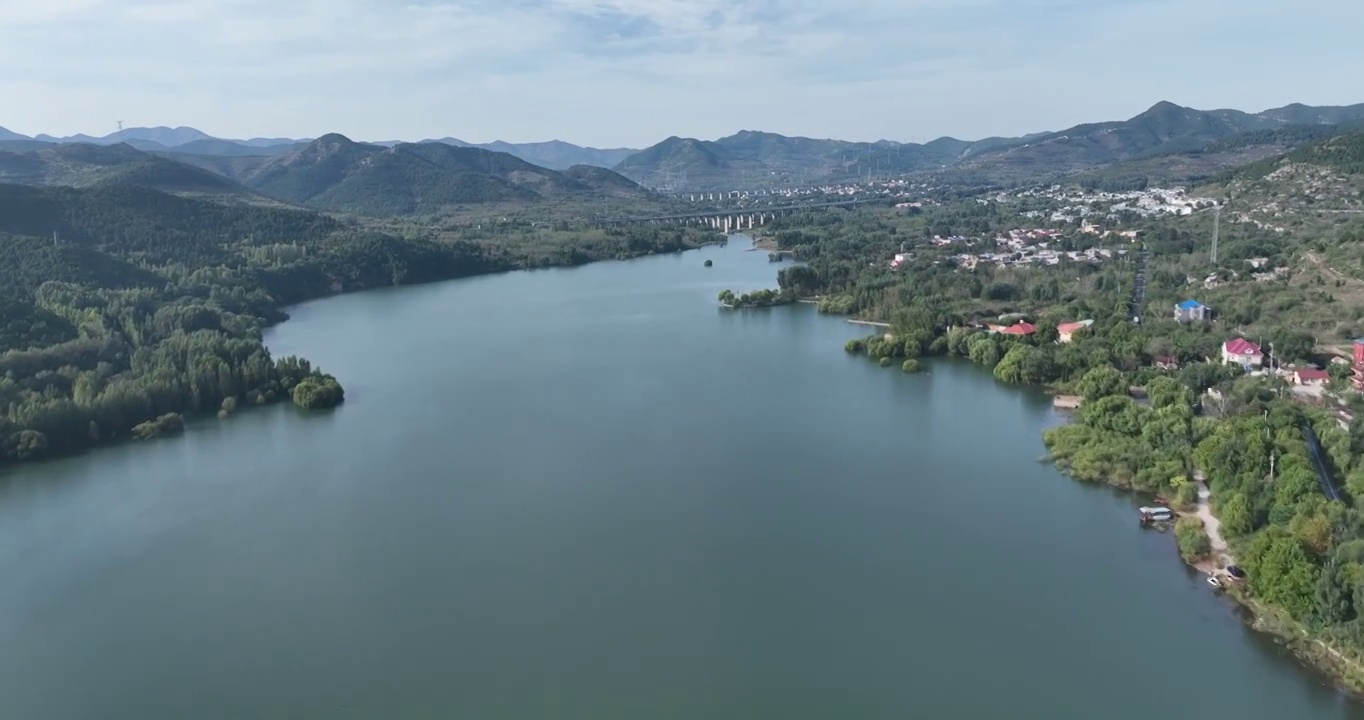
(629,73)
(281,136)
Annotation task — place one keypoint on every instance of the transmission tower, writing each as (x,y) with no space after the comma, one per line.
(1216,225)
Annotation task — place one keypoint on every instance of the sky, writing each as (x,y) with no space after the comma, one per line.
(629,73)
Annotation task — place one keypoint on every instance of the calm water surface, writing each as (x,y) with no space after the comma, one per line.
(590,493)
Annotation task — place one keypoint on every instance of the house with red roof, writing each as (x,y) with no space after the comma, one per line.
(1310,376)
(1065,332)
(1020,329)
(1240,351)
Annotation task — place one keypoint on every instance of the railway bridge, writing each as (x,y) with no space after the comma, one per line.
(734,219)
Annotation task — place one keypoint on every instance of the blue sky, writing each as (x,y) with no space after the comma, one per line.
(615,73)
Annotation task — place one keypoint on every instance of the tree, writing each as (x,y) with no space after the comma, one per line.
(26,445)
(229,407)
(1291,345)
(1101,382)
(1166,392)
(984,350)
(318,392)
(1282,573)
(1235,516)
(1192,539)
(1333,603)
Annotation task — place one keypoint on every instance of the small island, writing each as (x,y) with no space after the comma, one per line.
(757,298)
(709,263)
(318,392)
(163,426)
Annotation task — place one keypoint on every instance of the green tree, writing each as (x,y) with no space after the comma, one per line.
(1101,382)
(317,392)
(1235,516)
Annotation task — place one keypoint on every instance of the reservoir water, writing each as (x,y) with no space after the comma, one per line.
(591,493)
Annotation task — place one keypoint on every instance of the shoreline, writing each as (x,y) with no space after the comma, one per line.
(280,313)
(1313,653)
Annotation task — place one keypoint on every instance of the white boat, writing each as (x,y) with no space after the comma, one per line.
(1156,514)
(1213,581)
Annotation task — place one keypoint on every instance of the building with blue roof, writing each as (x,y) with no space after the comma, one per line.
(1192,311)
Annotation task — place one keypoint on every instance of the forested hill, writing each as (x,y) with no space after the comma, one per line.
(335,173)
(121,305)
(86,165)
(1323,177)
(1342,153)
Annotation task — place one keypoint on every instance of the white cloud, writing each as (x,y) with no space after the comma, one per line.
(612,72)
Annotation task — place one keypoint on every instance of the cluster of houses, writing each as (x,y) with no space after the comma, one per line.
(1092,229)
(1017,247)
(1250,356)
(1065,332)
(1075,204)
(1235,351)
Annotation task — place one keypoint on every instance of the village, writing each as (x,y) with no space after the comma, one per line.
(1016,247)
(1074,204)
(1305,382)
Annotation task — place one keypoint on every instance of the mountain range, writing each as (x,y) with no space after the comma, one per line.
(1166,143)
(554,154)
(330,173)
(1164,130)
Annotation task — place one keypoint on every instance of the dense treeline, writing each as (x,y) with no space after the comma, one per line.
(1302,553)
(145,307)
(757,298)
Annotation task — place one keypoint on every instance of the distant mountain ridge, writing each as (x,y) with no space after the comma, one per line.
(330,173)
(336,173)
(1165,129)
(554,154)
(1165,143)
(81,165)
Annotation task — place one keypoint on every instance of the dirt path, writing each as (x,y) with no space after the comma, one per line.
(1211,524)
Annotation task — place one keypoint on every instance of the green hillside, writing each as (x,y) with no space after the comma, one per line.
(84,165)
